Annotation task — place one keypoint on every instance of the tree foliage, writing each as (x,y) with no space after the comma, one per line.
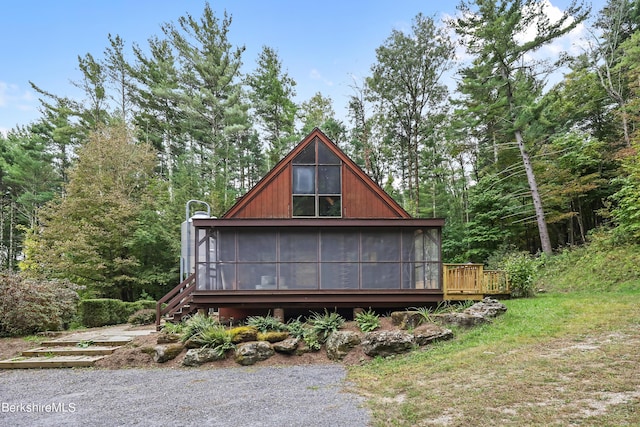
(94,190)
(271,96)
(88,235)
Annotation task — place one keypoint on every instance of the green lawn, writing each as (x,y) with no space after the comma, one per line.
(561,358)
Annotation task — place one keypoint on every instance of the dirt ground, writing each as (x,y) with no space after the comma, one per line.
(133,356)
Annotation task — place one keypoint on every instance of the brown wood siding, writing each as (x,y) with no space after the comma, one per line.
(273,201)
(361,201)
(361,197)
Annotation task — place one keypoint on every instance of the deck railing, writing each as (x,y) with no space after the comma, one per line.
(473,280)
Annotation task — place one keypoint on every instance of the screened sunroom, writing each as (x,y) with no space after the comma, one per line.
(358,257)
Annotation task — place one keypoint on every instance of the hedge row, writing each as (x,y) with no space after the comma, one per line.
(105,311)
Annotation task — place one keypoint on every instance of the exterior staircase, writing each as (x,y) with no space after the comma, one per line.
(63,354)
(78,350)
(176,303)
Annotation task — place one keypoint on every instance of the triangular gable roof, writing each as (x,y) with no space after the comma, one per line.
(274,178)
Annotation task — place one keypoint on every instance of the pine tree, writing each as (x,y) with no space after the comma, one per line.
(492,33)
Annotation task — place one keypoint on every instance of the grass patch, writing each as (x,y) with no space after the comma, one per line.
(549,360)
(566,357)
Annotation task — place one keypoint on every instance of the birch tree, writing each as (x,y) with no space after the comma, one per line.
(494,34)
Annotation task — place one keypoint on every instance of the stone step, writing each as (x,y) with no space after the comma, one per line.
(106,342)
(49,362)
(70,351)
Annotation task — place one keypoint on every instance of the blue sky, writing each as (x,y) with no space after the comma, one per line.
(323,45)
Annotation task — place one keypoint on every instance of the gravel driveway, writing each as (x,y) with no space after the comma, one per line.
(271,396)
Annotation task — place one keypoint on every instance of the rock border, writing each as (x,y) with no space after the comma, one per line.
(415,329)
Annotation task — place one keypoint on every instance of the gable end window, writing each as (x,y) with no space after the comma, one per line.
(317,182)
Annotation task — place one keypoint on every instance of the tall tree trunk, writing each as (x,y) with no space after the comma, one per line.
(545,241)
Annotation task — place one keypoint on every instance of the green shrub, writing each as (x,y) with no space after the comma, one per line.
(216,337)
(103,311)
(367,320)
(29,306)
(146,316)
(311,339)
(521,268)
(132,307)
(173,328)
(196,324)
(266,323)
(98,312)
(325,324)
(296,328)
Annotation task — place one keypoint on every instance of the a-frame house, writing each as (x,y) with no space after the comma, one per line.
(316,232)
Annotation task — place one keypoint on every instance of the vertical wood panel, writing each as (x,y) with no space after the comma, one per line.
(272,201)
(360,201)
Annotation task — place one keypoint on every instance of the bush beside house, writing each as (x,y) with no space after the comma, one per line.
(28,306)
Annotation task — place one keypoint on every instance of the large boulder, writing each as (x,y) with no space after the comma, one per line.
(164,353)
(340,343)
(430,332)
(488,307)
(198,356)
(243,334)
(252,352)
(386,343)
(287,346)
(459,319)
(272,336)
(406,319)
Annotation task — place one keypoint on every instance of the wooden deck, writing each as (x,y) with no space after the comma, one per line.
(472,282)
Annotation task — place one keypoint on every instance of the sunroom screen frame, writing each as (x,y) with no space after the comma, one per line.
(412,261)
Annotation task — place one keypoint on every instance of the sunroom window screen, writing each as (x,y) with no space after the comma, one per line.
(320,259)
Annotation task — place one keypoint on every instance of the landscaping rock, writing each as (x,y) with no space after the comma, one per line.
(273,336)
(406,319)
(386,343)
(303,348)
(288,346)
(243,334)
(164,353)
(488,307)
(198,356)
(252,352)
(192,343)
(460,319)
(165,338)
(430,332)
(340,343)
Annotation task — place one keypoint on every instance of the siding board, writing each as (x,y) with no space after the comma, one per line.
(361,197)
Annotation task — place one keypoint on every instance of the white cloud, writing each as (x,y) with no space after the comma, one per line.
(4,88)
(571,43)
(314,74)
(11,95)
(18,106)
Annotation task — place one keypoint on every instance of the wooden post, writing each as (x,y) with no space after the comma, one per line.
(357,310)
(278,313)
